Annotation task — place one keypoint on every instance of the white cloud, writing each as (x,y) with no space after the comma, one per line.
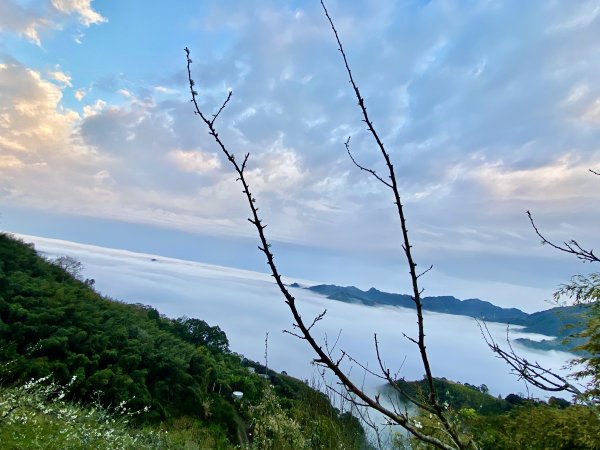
(95,108)
(581,17)
(194,161)
(476,122)
(578,93)
(61,77)
(9,161)
(82,8)
(165,90)
(79,94)
(592,114)
(559,181)
(32,118)
(18,19)
(33,20)
(277,171)
(44,163)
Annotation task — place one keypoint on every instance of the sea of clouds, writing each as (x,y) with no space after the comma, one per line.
(247,305)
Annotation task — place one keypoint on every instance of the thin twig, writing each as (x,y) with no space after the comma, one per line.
(572,247)
(372,172)
(222,107)
(531,372)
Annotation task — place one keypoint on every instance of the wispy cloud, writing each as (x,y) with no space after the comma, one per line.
(39,17)
(81,8)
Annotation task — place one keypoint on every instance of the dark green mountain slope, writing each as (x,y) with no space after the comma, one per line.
(560,322)
(514,422)
(52,323)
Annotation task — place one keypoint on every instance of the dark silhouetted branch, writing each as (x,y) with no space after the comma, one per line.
(393,185)
(528,371)
(304,333)
(372,172)
(572,247)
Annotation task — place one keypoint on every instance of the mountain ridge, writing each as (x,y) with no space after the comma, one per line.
(560,322)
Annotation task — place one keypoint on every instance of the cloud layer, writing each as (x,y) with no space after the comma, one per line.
(487,109)
(247,304)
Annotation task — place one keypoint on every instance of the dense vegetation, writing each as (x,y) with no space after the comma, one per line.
(181,371)
(513,422)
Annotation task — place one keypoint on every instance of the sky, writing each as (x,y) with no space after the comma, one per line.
(487,108)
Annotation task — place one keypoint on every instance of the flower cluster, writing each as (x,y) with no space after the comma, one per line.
(36,415)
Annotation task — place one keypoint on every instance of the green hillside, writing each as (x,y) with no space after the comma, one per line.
(512,422)
(111,353)
(562,322)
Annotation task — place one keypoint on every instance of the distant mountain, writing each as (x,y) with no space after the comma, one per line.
(560,322)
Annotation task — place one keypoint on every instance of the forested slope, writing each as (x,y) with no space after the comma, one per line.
(52,323)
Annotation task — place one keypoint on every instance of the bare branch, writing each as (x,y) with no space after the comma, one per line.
(433,399)
(531,372)
(292,333)
(425,271)
(372,172)
(325,358)
(572,247)
(316,319)
(406,242)
(413,340)
(222,107)
(394,383)
(322,357)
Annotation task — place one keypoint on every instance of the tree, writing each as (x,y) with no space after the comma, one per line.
(447,435)
(198,332)
(70,265)
(73,268)
(583,290)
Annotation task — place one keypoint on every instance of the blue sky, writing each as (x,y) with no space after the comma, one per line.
(488,109)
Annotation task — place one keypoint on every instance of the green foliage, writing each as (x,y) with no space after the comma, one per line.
(585,290)
(502,424)
(456,396)
(52,323)
(582,289)
(530,427)
(591,358)
(272,428)
(539,427)
(198,332)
